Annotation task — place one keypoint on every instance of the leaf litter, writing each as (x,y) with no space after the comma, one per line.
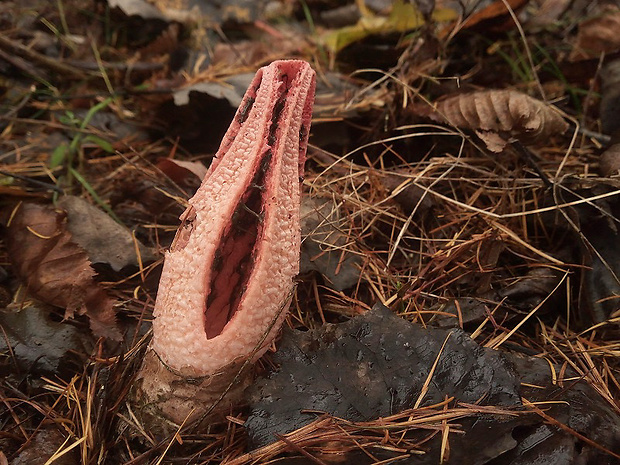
(55,269)
(508,246)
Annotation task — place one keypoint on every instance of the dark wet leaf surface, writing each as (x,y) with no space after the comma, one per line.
(43,445)
(588,234)
(36,343)
(376,364)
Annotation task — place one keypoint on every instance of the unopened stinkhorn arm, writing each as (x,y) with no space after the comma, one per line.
(230,268)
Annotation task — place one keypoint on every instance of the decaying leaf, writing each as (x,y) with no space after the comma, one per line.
(494,16)
(45,444)
(377,364)
(532,289)
(546,13)
(498,115)
(588,234)
(598,34)
(38,344)
(372,366)
(55,269)
(103,239)
(571,402)
(183,173)
(411,198)
(609,163)
(610,97)
(403,17)
(323,248)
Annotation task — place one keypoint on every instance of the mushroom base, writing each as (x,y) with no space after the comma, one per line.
(165,399)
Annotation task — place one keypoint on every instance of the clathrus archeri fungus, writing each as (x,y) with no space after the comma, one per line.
(228,276)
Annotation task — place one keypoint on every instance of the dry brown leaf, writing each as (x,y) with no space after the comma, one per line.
(598,34)
(103,239)
(498,115)
(609,163)
(55,269)
(495,15)
(183,173)
(166,43)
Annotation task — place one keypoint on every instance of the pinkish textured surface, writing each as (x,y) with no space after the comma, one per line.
(230,270)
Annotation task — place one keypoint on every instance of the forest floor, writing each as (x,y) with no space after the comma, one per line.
(462,174)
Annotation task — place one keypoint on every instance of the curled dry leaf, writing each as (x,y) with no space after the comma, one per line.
(55,269)
(497,115)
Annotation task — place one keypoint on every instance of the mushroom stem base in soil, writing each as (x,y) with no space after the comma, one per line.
(228,276)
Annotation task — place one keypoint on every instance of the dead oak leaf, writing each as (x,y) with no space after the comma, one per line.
(55,269)
(498,115)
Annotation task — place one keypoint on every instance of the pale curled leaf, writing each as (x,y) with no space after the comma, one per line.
(501,113)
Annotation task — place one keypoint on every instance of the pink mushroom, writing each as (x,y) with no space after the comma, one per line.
(228,277)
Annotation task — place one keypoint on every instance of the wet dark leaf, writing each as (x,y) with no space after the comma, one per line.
(527,292)
(610,97)
(37,343)
(609,163)
(574,404)
(376,364)
(592,235)
(372,366)
(601,283)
